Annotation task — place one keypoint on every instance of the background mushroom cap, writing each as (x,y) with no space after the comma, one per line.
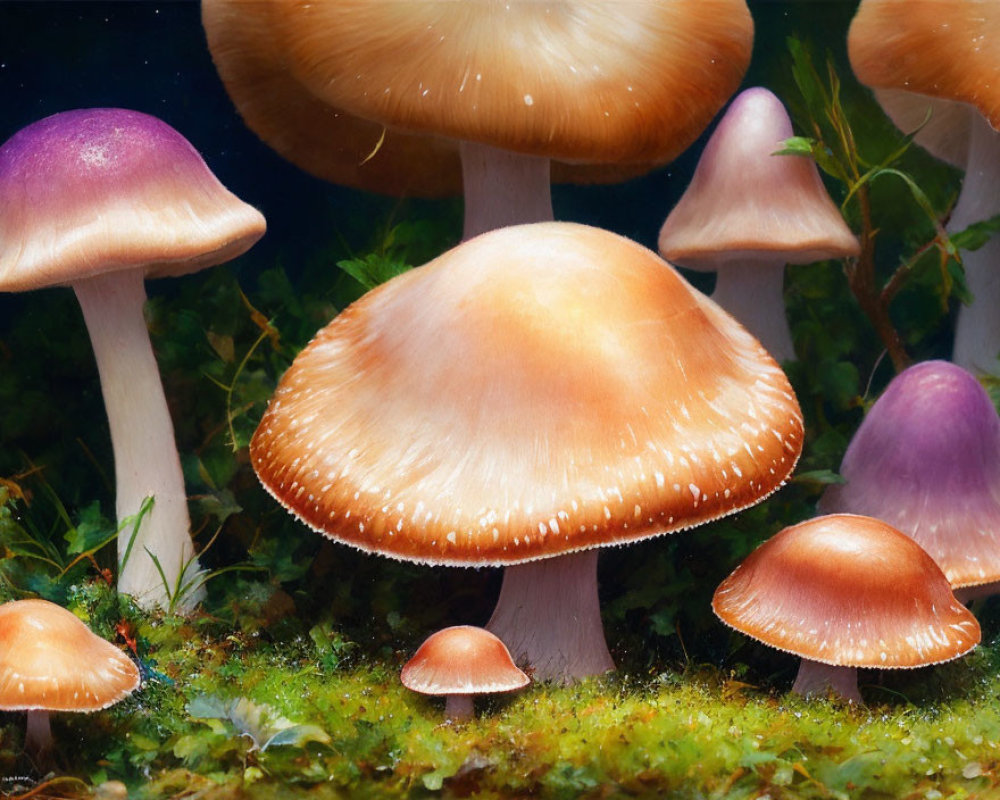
(327,141)
(462,660)
(93,191)
(942,48)
(743,201)
(926,459)
(850,591)
(50,660)
(536,390)
(579,81)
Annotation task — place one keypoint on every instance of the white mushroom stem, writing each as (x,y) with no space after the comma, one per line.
(752,290)
(142,437)
(459,708)
(503,188)
(977,332)
(38,734)
(817,678)
(549,617)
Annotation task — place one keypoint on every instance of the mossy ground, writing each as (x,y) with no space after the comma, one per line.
(284,712)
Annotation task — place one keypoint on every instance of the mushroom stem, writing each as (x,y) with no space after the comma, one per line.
(142,438)
(38,734)
(549,617)
(817,678)
(459,708)
(503,188)
(977,330)
(752,290)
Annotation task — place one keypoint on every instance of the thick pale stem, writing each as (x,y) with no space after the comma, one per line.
(977,331)
(459,708)
(752,290)
(503,188)
(549,617)
(142,437)
(38,735)
(816,678)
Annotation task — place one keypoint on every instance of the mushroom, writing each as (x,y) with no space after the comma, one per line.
(532,394)
(99,199)
(50,661)
(844,591)
(461,662)
(914,46)
(390,96)
(926,459)
(748,212)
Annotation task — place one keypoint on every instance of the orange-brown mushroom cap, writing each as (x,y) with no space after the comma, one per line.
(537,390)
(850,591)
(353,148)
(942,48)
(577,81)
(50,660)
(462,660)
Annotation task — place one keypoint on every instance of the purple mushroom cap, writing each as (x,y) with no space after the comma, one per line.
(99,199)
(926,460)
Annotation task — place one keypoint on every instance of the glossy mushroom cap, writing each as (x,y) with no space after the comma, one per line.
(849,591)
(50,660)
(926,460)
(94,191)
(462,660)
(745,202)
(537,390)
(590,82)
(942,48)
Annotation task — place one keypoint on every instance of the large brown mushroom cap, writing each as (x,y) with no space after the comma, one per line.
(579,81)
(462,660)
(536,390)
(941,48)
(101,190)
(356,148)
(50,660)
(850,591)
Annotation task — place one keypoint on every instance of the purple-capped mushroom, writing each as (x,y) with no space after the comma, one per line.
(926,460)
(99,199)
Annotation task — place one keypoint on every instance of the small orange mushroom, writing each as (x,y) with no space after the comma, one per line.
(461,662)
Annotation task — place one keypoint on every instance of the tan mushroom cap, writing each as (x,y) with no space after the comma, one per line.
(630,81)
(942,48)
(744,201)
(537,390)
(94,191)
(50,660)
(328,142)
(462,660)
(850,591)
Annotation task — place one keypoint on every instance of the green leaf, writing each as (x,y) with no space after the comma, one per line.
(796,146)
(977,234)
(824,477)
(91,532)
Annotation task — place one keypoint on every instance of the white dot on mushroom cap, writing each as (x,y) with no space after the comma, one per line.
(529,100)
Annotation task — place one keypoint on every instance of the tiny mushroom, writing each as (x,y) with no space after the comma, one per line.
(748,212)
(461,662)
(50,661)
(844,591)
(926,459)
(99,199)
(939,52)
(403,97)
(532,394)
